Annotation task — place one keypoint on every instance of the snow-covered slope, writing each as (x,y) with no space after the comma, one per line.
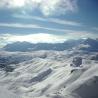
(4,93)
(50,74)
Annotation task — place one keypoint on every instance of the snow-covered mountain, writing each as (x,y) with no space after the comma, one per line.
(26,46)
(90,45)
(50,74)
(71,73)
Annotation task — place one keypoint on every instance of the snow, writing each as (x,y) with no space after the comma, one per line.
(4,93)
(48,74)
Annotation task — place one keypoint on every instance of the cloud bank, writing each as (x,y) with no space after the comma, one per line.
(46,7)
(32,38)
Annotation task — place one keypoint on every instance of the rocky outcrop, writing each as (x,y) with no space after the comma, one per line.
(95,57)
(76,62)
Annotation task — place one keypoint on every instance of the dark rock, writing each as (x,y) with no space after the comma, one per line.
(94,57)
(77,61)
(41,76)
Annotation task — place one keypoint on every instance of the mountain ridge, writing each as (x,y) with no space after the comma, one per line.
(67,45)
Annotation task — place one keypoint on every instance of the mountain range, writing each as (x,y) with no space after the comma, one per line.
(82,44)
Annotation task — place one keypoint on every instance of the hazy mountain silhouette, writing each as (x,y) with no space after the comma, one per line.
(26,46)
(91,45)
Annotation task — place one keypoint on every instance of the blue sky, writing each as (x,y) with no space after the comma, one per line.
(47,20)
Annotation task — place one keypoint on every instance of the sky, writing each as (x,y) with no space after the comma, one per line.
(50,21)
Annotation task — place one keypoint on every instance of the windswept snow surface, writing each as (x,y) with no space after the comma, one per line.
(4,93)
(48,74)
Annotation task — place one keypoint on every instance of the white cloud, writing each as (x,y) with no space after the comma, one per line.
(33,38)
(67,32)
(81,34)
(64,22)
(47,7)
(19,25)
(52,20)
(12,3)
(58,6)
(32,26)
